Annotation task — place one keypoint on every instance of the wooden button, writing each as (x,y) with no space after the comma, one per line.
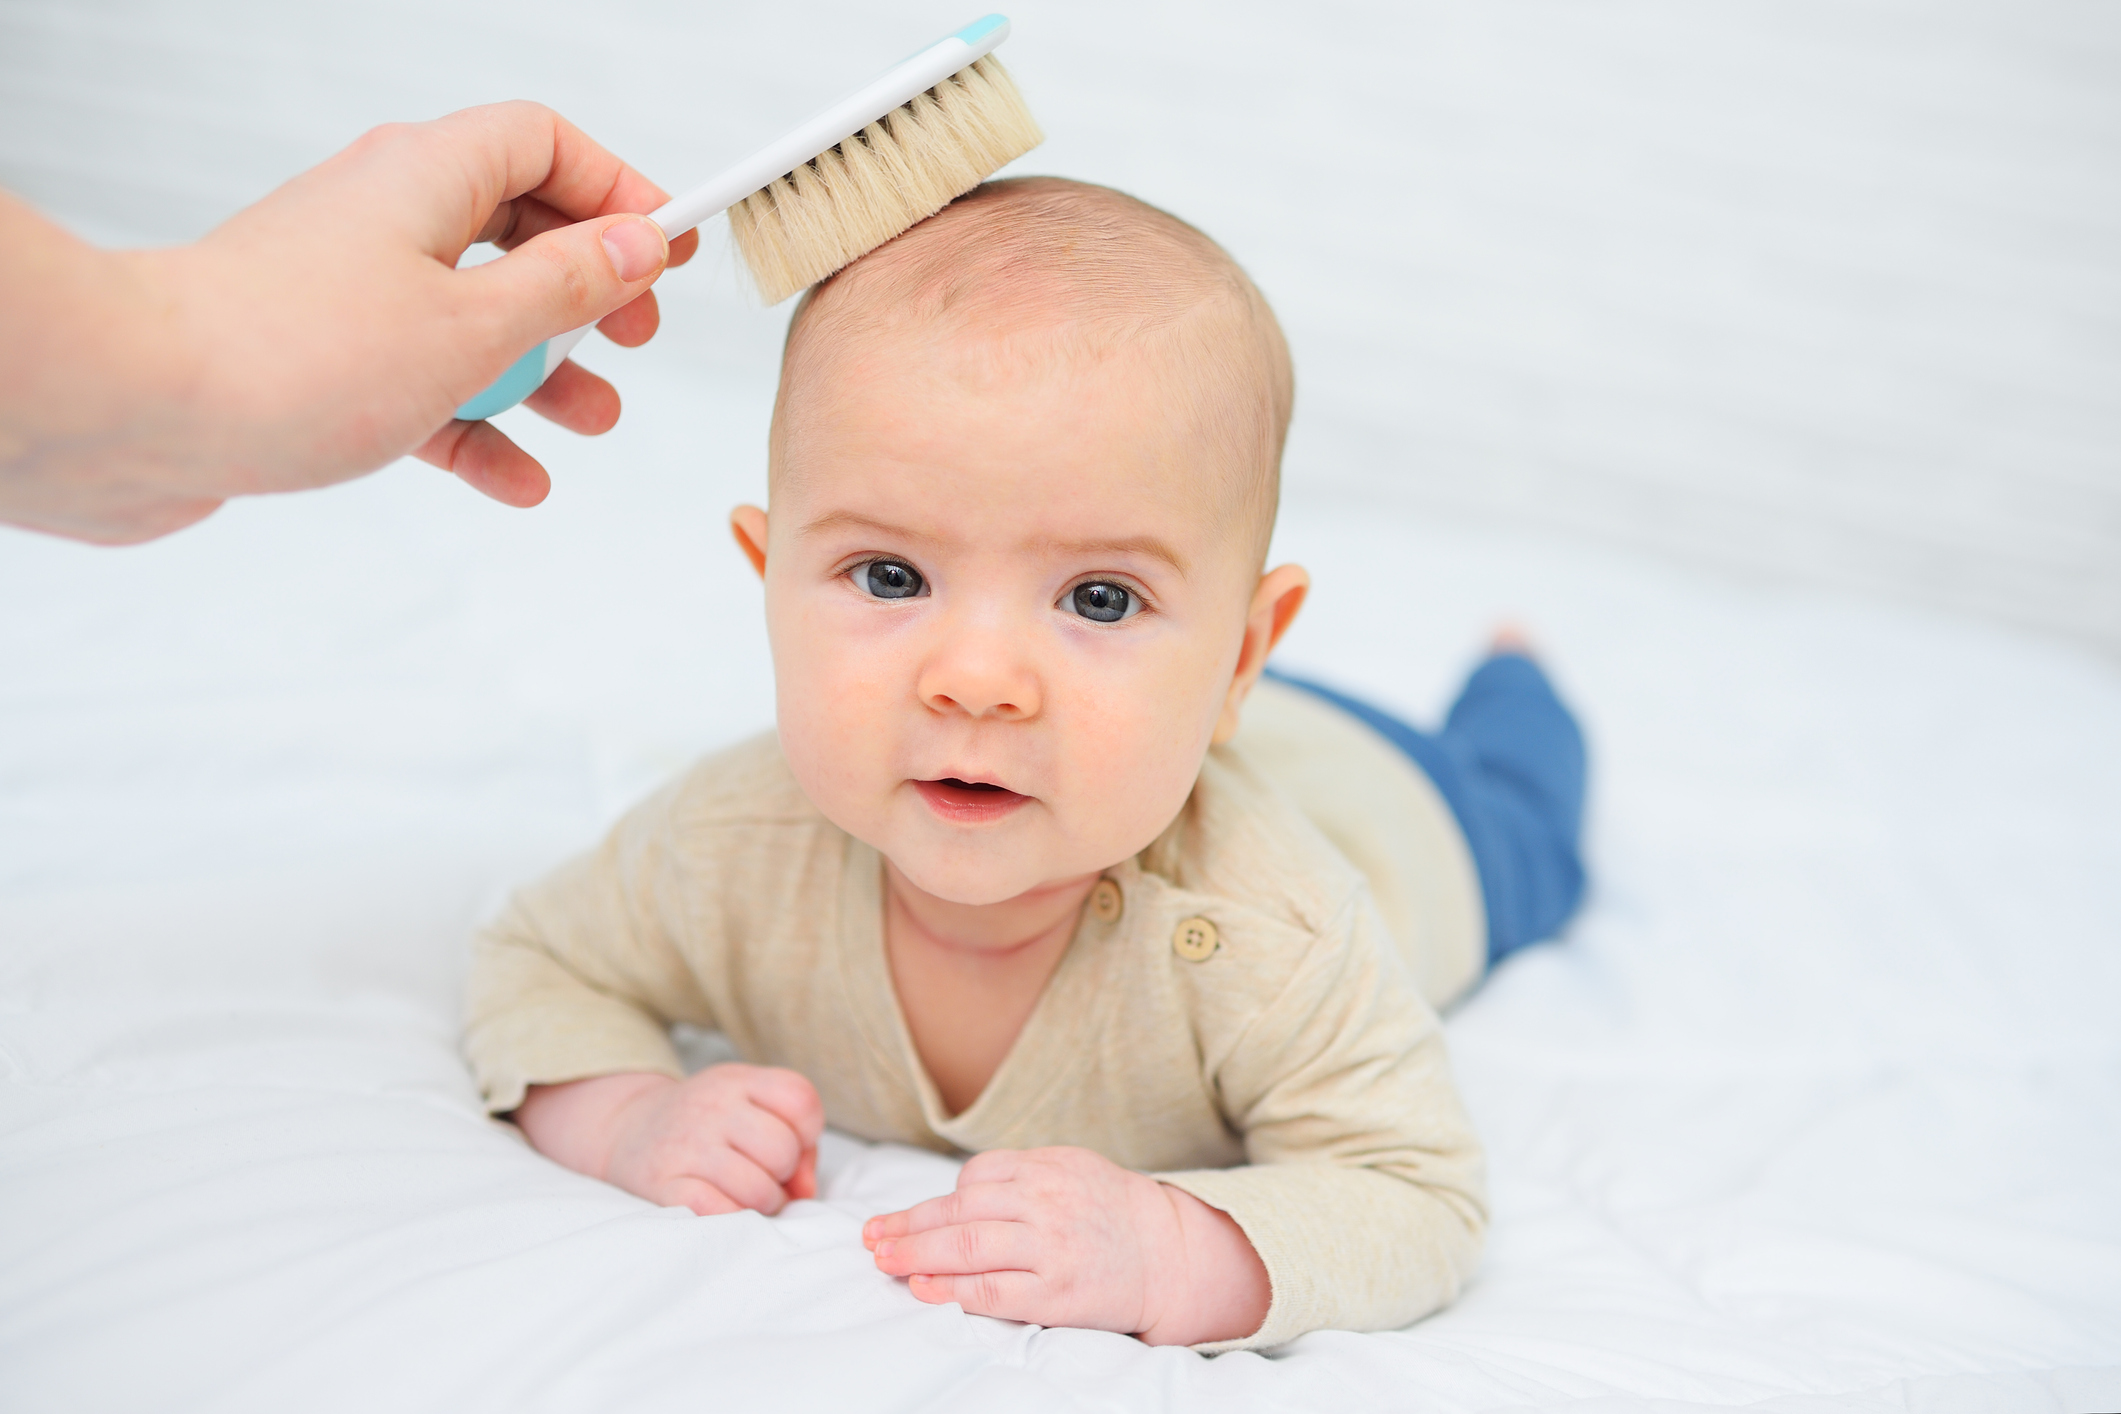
(1106,902)
(1195,940)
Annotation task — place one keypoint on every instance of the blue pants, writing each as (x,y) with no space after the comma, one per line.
(1509,762)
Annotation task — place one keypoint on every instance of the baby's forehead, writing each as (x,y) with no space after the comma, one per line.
(1029,319)
(1039,336)
(1043,279)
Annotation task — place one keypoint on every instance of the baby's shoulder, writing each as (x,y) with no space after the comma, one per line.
(735,816)
(1241,838)
(1257,867)
(743,785)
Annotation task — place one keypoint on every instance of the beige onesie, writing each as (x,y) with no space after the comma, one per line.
(1233,1015)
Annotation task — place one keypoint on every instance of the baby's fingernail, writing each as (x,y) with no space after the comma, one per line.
(883,1249)
(635,246)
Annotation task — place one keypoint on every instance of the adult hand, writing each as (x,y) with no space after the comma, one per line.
(1066,1237)
(725,1138)
(324,331)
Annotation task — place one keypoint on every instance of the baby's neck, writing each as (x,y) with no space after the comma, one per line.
(988,931)
(969,975)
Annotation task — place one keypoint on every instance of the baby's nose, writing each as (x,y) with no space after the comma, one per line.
(973,702)
(982,674)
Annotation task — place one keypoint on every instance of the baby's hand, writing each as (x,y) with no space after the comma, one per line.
(726,1138)
(1066,1237)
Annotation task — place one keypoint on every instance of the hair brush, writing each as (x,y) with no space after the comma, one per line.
(898,150)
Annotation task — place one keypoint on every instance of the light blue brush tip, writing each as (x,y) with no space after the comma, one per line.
(519,382)
(980,28)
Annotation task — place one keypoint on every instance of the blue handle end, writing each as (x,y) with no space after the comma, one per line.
(523,378)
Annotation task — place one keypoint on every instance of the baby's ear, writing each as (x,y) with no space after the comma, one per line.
(1274,607)
(748,525)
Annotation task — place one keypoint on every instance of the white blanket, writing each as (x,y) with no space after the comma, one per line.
(1818,1106)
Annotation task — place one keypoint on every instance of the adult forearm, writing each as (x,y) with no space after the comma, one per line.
(93,388)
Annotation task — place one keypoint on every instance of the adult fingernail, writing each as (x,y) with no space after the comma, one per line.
(635,246)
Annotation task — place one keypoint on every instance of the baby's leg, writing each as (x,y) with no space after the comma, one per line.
(1510,763)
(1520,758)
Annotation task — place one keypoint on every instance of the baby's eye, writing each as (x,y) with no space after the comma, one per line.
(1102,601)
(887,579)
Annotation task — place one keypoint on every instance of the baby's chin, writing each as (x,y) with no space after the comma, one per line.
(974,873)
(987,864)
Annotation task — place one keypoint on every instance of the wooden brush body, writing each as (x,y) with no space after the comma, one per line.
(900,169)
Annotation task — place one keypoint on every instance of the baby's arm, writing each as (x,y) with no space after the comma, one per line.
(571,993)
(1361,1208)
(726,1138)
(1066,1237)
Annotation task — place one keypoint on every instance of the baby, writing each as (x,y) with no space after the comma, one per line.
(1009,880)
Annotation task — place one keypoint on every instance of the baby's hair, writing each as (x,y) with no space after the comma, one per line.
(1057,268)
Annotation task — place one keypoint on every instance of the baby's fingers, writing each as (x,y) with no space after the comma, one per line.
(743,1180)
(804,1184)
(965,1249)
(765,1139)
(702,1197)
(1013,1296)
(789,1096)
(981,1202)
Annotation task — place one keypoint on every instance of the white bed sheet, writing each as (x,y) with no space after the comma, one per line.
(1818,1106)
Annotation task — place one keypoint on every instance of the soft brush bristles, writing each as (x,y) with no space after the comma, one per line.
(902,168)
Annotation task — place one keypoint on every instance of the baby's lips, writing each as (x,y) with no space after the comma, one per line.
(955,800)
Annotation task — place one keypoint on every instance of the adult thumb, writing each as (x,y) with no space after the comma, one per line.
(566,278)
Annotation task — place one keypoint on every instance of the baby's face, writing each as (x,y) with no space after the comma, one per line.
(1006,604)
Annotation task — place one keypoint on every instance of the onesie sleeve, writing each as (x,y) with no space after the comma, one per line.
(1364,1188)
(584,972)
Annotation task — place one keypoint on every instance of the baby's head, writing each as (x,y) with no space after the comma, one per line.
(1024,467)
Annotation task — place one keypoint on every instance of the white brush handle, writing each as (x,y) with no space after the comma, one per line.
(897,84)
(835,125)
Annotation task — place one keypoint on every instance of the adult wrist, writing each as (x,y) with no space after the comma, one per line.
(92,380)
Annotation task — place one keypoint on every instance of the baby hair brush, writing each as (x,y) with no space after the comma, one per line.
(918,136)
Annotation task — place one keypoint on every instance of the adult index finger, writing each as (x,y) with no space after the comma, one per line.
(525,218)
(479,172)
(529,151)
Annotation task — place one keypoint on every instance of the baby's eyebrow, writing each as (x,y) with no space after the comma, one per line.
(853,520)
(1147,545)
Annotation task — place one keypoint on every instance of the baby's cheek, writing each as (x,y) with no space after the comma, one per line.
(832,710)
(834,756)
(1138,763)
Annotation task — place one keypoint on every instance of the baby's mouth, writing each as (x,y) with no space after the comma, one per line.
(964,802)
